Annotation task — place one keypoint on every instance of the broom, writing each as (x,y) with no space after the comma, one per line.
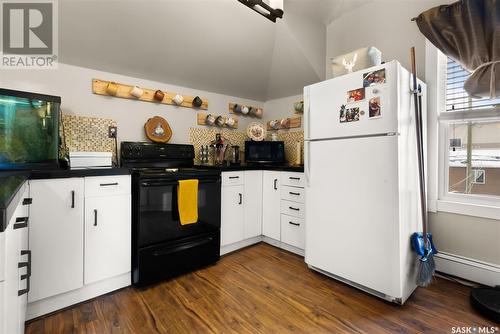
(421,242)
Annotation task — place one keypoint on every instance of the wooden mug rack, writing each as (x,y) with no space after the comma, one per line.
(100,87)
(231,110)
(201,120)
(295,122)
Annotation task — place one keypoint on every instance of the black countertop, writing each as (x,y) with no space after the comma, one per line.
(12,181)
(9,187)
(242,167)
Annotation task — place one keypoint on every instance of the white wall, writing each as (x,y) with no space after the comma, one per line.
(385,24)
(74,85)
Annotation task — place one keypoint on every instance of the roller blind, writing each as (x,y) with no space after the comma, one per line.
(457,99)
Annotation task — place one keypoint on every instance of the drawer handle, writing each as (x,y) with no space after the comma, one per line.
(294,178)
(292,193)
(234,177)
(95,217)
(295,224)
(275,184)
(72,199)
(21,222)
(27,201)
(292,208)
(109,184)
(27,276)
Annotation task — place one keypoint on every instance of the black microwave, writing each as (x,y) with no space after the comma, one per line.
(265,152)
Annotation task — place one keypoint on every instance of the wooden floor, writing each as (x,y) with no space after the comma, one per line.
(262,289)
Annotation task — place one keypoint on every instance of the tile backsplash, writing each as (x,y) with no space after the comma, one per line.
(203,136)
(86,134)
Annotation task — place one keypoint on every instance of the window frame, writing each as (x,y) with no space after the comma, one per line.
(439,198)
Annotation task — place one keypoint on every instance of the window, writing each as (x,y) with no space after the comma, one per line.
(474,139)
(464,142)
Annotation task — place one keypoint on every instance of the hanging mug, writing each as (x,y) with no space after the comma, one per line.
(230,122)
(136,92)
(274,124)
(159,95)
(237,108)
(258,112)
(285,123)
(112,88)
(299,106)
(245,110)
(197,102)
(210,120)
(220,121)
(178,99)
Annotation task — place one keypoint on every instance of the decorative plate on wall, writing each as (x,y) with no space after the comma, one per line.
(158,130)
(256,131)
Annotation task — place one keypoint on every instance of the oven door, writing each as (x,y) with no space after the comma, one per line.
(157,215)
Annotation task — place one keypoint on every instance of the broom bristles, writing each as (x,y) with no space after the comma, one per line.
(426,270)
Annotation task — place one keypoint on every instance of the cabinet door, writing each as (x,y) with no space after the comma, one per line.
(24,264)
(11,284)
(271,205)
(232,229)
(56,237)
(253,204)
(107,237)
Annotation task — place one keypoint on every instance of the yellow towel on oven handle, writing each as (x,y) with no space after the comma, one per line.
(187,201)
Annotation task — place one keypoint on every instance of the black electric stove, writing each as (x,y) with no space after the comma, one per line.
(161,247)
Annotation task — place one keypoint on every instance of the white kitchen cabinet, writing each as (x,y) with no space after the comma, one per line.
(11,284)
(2,306)
(14,288)
(107,228)
(232,222)
(253,204)
(292,231)
(292,208)
(271,205)
(56,236)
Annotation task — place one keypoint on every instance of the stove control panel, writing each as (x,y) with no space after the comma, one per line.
(156,151)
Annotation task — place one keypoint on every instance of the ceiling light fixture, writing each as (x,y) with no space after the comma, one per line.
(271,9)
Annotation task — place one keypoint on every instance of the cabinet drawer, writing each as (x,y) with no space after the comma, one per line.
(292,208)
(232,178)
(293,179)
(293,194)
(292,231)
(107,185)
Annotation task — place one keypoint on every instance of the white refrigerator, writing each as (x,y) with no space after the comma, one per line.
(362,193)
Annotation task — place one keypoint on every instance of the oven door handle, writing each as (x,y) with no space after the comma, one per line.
(156,183)
(183,246)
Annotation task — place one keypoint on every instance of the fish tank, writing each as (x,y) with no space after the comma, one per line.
(29,130)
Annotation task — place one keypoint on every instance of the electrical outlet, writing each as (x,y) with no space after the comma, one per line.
(112,130)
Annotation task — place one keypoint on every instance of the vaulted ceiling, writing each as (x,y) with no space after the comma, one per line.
(215,45)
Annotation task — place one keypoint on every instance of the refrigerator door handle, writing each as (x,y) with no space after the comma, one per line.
(307,162)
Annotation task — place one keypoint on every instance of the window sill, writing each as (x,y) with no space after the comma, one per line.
(468,209)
